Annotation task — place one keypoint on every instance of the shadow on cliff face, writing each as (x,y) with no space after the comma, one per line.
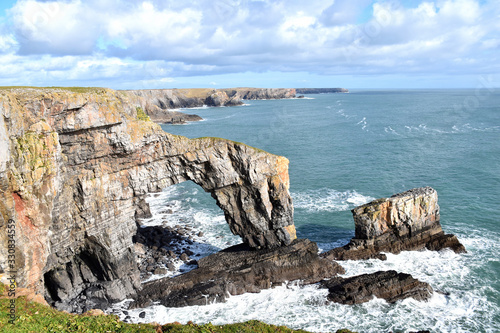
(88,281)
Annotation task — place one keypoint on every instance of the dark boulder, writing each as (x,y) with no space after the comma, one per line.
(389,285)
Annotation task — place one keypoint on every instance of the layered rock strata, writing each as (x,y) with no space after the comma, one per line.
(389,285)
(262,93)
(159,103)
(405,221)
(74,172)
(239,270)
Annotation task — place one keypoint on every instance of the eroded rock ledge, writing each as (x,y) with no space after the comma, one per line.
(406,221)
(74,171)
(239,270)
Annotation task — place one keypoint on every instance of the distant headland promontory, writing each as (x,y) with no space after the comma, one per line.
(320,90)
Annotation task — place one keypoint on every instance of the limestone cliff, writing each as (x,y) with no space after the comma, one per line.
(159,103)
(74,171)
(405,221)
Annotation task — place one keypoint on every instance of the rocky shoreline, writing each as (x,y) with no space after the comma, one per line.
(159,104)
(239,269)
(77,167)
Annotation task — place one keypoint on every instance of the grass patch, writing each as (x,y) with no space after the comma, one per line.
(32,317)
(36,318)
(141,115)
(195,92)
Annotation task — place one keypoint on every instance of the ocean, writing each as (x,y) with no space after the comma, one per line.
(346,150)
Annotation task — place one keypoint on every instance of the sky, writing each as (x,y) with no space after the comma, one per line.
(133,44)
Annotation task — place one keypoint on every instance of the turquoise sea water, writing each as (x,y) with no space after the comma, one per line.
(345,150)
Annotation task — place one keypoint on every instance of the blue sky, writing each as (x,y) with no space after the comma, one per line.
(130,44)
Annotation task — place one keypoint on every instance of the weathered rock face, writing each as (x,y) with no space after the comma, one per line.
(405,221)
(238,270)
(158,103)
(390,285)
(74,171)
(264,93)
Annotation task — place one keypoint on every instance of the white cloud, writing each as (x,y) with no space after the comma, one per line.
(466,11)
(7,43)
(54,27)
(156,27)
(113,39)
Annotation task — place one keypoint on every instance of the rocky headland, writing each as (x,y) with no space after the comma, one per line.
(74,171)
(76,166)
(320,90)
(159,104)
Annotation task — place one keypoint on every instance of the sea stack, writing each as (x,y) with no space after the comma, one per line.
(405,221)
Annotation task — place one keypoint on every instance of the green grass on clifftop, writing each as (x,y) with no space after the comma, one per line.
(37,318)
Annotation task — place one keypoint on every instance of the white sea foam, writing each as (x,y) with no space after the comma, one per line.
(389,129)
(463,301)
(180,205)
(456,306)
(194,108)
(329,200)
(363,123)
(343,114)
(455,129)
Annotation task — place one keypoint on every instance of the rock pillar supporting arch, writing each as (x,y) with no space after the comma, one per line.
(249,185)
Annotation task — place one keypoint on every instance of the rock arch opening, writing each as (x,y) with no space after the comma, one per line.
(183,225)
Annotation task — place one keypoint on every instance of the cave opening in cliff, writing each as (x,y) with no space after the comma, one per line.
(184,225)
(89,268)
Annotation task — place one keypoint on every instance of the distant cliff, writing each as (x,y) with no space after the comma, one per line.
(159,103)
(74,171)
(320,90)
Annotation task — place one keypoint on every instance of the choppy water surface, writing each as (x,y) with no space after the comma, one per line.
(345,150)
